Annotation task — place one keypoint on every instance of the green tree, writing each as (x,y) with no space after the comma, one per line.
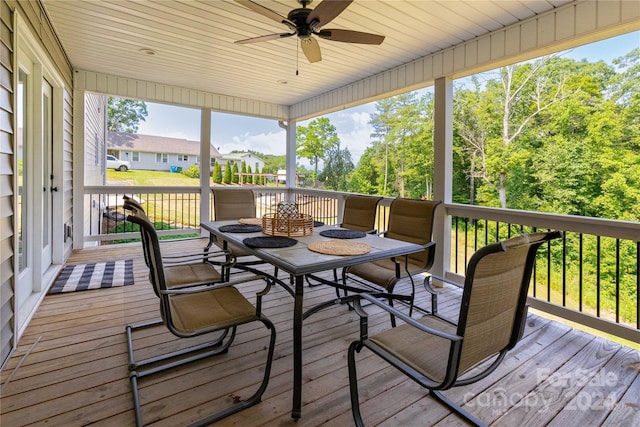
(381,121)
(367,177)
(337,167)
(243,169)
(235,178)
(227,173)
(249,179)
(314,140)
(124,115)
(217,173)
(403,127)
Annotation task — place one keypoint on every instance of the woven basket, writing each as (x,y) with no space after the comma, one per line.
(276,225)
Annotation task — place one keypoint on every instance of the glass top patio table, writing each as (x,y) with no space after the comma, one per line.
(298,261)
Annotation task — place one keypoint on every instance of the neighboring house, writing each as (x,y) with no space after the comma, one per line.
(159,153)
(256,163)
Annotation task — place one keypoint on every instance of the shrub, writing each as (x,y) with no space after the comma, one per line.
(192,172)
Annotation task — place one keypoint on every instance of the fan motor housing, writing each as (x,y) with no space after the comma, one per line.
(299,17)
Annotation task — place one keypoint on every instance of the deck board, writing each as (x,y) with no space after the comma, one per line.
(70,367)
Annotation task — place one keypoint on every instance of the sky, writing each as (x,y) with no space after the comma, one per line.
(234,132)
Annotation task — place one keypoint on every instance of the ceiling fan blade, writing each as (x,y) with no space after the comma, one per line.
(265,38)
(349,36)
(264,11)
(326,11)
(311,49)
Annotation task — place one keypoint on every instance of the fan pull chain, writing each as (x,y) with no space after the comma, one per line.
(297,54)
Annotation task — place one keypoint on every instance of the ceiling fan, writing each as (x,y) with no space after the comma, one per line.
(305,22)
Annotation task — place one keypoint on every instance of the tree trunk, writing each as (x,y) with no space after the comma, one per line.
(502,190)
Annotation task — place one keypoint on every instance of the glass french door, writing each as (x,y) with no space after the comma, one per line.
(46,143)
(25,186)
(35,213)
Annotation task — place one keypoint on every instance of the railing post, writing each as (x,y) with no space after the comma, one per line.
(443,171)
(291,159)
(205,167)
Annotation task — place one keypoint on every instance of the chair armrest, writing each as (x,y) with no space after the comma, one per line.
(197,256)
(207,287)
(431,289)
(409,320)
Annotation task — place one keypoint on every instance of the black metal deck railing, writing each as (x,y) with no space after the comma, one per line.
(590,276)
(592,272)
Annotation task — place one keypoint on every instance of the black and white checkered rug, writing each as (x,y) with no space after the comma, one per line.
(94,276)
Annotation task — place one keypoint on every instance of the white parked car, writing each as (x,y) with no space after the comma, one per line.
(117,164)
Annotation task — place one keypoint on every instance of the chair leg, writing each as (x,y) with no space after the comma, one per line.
(134,374)
(256,397)
(353,384)
(434,294)
(456,408)
(217,346)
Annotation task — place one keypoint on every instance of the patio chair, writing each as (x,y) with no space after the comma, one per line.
(235,203)
(205,307)
(411,221)
(359,214)
(132,205)
(437,353)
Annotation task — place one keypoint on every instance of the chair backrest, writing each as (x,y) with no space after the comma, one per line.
(360,212)
(151,248)
(493,308)
(132,204)
(412,221)
(233,203)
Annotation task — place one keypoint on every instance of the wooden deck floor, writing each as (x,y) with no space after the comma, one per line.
(70,368)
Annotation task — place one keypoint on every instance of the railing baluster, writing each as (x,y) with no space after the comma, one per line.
(617,280)
(598,255)
(581,270)
(564,270)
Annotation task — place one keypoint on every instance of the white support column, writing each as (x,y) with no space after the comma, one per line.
(205,166)
(291,158)
(443,171)
(78,169)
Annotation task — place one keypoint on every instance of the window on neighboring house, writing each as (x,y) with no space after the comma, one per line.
(257,166)
(212,161)
(183,158)
(162,158)
(135,156)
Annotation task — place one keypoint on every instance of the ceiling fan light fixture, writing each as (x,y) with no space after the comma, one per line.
(305,23)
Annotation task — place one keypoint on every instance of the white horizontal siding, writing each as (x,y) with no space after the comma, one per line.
(567,26)
(156,92)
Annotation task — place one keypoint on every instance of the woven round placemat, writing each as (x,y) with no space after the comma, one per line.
(252,221)
(342,234)
(339,247)
(240,228)
(317,223)
(269,242)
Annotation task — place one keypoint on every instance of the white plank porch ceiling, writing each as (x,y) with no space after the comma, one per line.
(193,41)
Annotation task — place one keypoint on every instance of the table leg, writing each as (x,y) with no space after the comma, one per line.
(296,412)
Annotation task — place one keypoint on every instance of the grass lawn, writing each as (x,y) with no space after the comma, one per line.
(145,177)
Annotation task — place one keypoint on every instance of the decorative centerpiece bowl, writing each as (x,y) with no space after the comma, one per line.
(287,221)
